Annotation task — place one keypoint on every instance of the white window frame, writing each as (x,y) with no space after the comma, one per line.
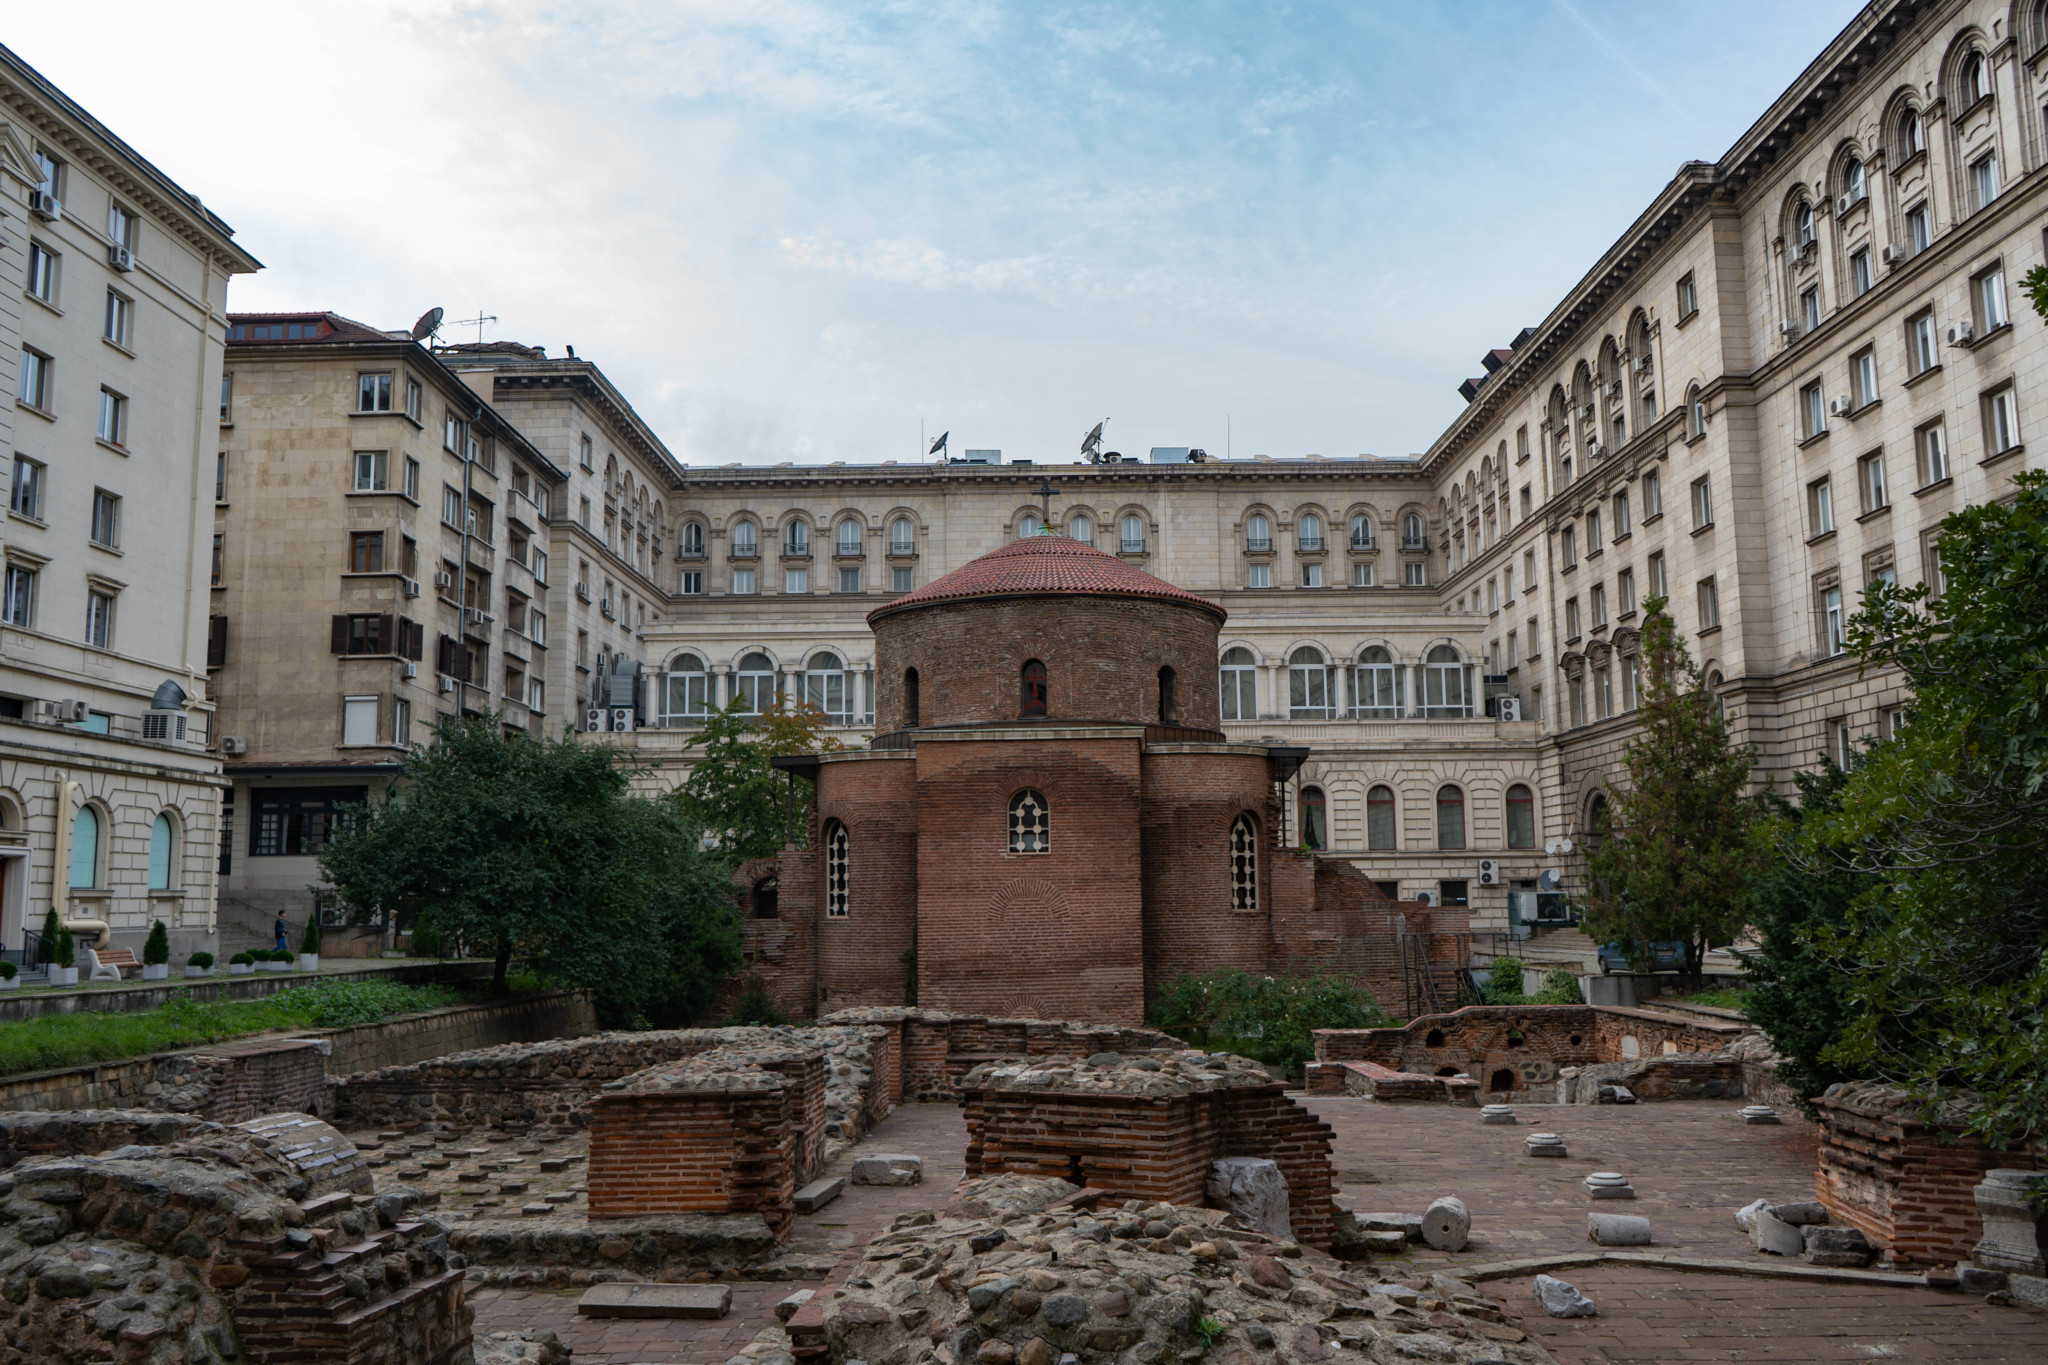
(1931,453)
(106,519)
(1258,575)
(41,280)
(1863,366)
(99,618)
(1820,507)
(374,391)
(1702,502)
(372,471)
(120,329)
(359,718)
(2001,421)
(1258,533)
(111,426)
(1870,481)
(1923,342)
(1239,686)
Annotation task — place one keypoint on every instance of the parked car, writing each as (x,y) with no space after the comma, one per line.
(1664,957)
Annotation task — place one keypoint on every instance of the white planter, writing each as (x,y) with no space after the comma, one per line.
(277,966)
(309,962)
(198,971)
(12,983)
(155,971)
(241,968)
(63,976)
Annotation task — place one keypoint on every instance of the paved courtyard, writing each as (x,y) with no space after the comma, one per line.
(1692,1164)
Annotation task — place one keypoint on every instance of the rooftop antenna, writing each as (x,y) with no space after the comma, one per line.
(477,322)
(1091,444)
(429,323)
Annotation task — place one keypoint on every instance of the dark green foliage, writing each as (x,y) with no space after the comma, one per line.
(1560,987)
(51,928)
(67,951)
(755,1005)
(1504,982)
(309,941)
(742,804)
(425,942)
(510,844)
(1266,1018)
(156,949)
(200,959)
(242,960)
(8,971)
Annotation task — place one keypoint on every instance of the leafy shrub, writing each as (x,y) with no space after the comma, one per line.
(200,959)
(1265,1018)
(1504,986)
(7,971)
(755,1005)
(1560,987)
(67,951)
(309,942)
(156,949)
(243,960)
(426,942)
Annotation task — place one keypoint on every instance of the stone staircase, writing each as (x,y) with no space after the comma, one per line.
(1561,947)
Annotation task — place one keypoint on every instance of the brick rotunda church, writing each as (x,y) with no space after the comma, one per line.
(1050,818)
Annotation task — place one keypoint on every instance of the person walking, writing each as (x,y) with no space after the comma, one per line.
(279,930)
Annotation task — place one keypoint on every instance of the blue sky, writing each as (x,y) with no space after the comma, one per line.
(794,231)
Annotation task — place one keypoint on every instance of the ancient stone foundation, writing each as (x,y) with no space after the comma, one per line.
(1147,1127)
(1907,1185)
(237,1081)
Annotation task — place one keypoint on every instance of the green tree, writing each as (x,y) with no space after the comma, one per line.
(512,844)
(741,803)
(1504,982)
(156,949)
(1680,840)
(1946,953)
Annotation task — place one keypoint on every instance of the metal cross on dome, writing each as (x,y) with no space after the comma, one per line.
(1045,502)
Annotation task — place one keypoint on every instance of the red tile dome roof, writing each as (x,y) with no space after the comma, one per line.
(1047,565)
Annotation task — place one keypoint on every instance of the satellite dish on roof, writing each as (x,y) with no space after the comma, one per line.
(429,323)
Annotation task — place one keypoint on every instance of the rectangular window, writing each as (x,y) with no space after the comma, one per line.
(1312,574)
(1568,546)
(1625,592)
(1521,443)
(1593,542)
(1507,584)
(900,579)
(412,478)
(1932,442)
(1528,501)
(366,552)
(1813,410)
(2001,421)
(451,433)
(120,322)
(1923,351)
(691,584)
(1653,575)
(1599,601)
(99,619)
(1809,309)
(120,225)
(1259,576)
(1621,514)
(26,495)
(408,556)
(1820,508)
(401,722)
(413,396)
(113,421)
(1870,480)
(106,519)
(1362,574)
(1984,180)
(1831,620)
(358,720)
(540,566)
(220,477)
(1688,297)
(849,580)
(298,821)
(1514,653)
(1987,297)
(42,272)
(227,397)
(1528,571)
(1653,495)
(1571,618)
(1535,637)
(1702,502)
(1863,367)
(1709,604)
(373,392)
(1859,272)
(1919,230)
(1578,701)
(370,471)
(18,606)
(743,582)
(1415,575)
(796,580)
(451,507)
(1628,682)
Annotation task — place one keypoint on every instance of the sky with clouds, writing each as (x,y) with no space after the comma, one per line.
(794,230)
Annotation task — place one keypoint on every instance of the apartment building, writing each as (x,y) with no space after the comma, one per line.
(380,558)
(113,283)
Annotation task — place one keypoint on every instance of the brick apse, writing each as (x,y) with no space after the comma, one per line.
(1051,820)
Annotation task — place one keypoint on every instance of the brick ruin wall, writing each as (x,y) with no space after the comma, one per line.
(731,1149)
(241,1080)
(1905,1184)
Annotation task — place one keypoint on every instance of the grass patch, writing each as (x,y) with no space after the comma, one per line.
(60,1040)
(1720,1000)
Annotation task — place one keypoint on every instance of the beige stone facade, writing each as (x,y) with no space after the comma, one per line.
(113,286)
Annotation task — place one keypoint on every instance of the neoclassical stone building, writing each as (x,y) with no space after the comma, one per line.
(1762,396)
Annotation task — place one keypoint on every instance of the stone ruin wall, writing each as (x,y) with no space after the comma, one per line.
(238,1081)
(1905,1184)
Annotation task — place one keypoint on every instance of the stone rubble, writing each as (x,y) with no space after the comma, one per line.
(1447,1224)
(1253,1189)
(1155,1074)
(1562,1300)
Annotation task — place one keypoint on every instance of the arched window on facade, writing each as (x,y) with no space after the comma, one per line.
(1521,817)
(1312,813)
(1912,133)
(1131,536)
(1376,685)
(1380,825)
(162,851)
(1720,702)
(1034,690)
(766,901)
(1169,708)
(835,870)
(1240,684)
(754,684)
(1361,532)
(1308,685)
(691,541)
(1596,822)
(1244,864)
(796,537)
(85,847)
(1081,529)
(744,544)
(1855,187)
(1258,533)
(849,537)
(1030,823)
(1029,525)
(686,691)
(902,537)
(1802,225)
(911,707)
(1411,532)
(1976,79)
(1308,532)
(1450,817)
(1443,685)
(826,686)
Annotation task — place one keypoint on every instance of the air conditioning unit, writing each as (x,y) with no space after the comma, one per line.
(1788,329)
(234,746)
(63,712)
(409,586)
(583,592)
(596,720)
(1595,449)
(165,727)
(443,579)
(333,917)
(1645,364)
(1892,254)
(1424,898)
(1839,407)
(1489,872)
(120,257)
(1962,334)
(471,616)
(45,205)
(1509,708)
(1614,389)
(447,687)
(412,670)
(622,720)
(1847,202)
(1586,412)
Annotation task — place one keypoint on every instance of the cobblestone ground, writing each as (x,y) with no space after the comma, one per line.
(484,1174)
(1692,1165)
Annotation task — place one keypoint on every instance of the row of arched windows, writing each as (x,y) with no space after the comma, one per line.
(1382,826)
(1308,533)
(849,537)
(1373,686)
(91,826)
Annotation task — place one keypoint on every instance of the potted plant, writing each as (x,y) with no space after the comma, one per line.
(65,972)
(156,953)
(199,964)
(280,959)
(8,980)
(241,964)
(309,944)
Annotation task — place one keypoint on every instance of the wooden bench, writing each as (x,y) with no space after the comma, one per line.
(110,963)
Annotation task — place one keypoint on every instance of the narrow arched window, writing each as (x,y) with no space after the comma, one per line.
(1308,532)
(1030,525)
(692,538)
(686,694)
(1308,685)
(1450,818)
(754,684)
(1240,684)
(1803,224)
(1132,539)
(825,687)
(1976,78)
(1034,701)
(1244,864)
(1312,810)
(1521,817)
(1376,686)
(835,870)
(902,537)
(1081,529)
(160,845)
(796,540)
(1379,819)
(85,846)
(911,710)
(1258,533)
(1361,532)
(1695,412)
(743,538)
(1411,532)
(1853,186)
(1030,823)
(1167,707)
(849,537)
(1443,684)
(1912,136)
